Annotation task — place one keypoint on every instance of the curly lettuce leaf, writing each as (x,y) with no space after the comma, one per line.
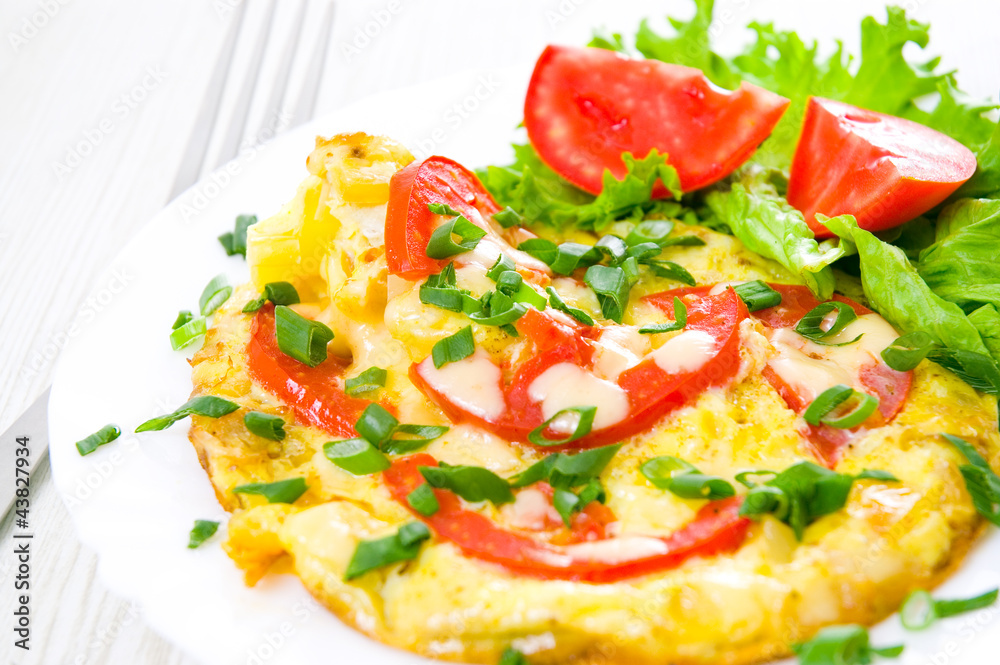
(895,290)
(767,225)
(985,182)
(987,322)
(533,189)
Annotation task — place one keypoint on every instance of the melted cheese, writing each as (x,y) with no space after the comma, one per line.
(686,352)
(617,550)
(565,385)
(618,349)
(472,383)
(531,510)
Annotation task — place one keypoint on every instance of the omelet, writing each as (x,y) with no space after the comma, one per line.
(744,602)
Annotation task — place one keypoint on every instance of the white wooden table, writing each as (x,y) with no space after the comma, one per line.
(97,101)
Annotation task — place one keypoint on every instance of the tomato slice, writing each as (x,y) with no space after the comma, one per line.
(882,169)
(316,394)
(825,442)
(651,390)
(586,106)
(716,529)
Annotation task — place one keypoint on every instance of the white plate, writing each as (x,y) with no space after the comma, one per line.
(135,500)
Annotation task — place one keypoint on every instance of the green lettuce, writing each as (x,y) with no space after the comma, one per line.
(961,266)
(985,182)
(987,322)
(534,190)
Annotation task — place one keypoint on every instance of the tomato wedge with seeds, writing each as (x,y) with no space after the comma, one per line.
(651,391)
(316,394)
(882,169)
(586,106)
(716,529)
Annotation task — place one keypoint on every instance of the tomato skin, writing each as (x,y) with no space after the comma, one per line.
(882,169)
(586,106)
(717,528)
(315,394)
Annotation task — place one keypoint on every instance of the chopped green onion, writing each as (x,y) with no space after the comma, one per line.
(757,295)
(403,545)
(188,333)
(202,531)
(371,379)
(205,405)
(573,255)
(441,291)
(976,369)
(454,347)
(280,491)
(226,240)
(567,470)
(235,242)
(423,501)
(650,231)
(630,267)
(503,264)
(949,608)
(810,326)
(670,270)
(876,474)
(443,209)
(376,424)
(821,410)
(508,217)
(502,311)
(683,241)
(540,248)
(183,316)
(917,611)
(280,293)
(300,338)
(265,425)
(356,456)
(472,483)
(528,295)
(509,282)
(103,436)
(441,245)
(419,436)
(681,478)
(841,645)
(981,481)
(680,320)
(644,250)
(216,292)
(613,248)
(906,352)
(612,289)
(512,656)
(751,479)
(558,303)
(585,420)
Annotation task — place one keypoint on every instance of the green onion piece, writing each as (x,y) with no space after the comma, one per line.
(202,531)
(652,231)
(630,266)
(454,347)
(768,500)
(757,295)
(441,245)
(508,217)
(103,436)
(301,338)
(512,656)
(503,264)
(280,293)
(566,503)
(500,315)
(585,420)
(980,480)
(472,483)
(860,406)
(810,326)
(356,456)
(443,209)
(188,333)
(907,351)
(243,222)
(216,292)
(376,424)
(528,295)
(567,470)
(403,545)
(226,240)
(917,611)
(613,248)
(441,291)
(535,473)
(280,491)
(573,255)
(418,437)
(681,478)
(183,316)
(875,474)
(644,250)
(976,369)
(423,500)
(265,425)
(751,479)
(826,402)
(558,303)
(612,289)
(509,282)
(540,248)
(949,608)
(670,270)
(205,405)
(371,379)
(680,320)
(841,645)
(683,241)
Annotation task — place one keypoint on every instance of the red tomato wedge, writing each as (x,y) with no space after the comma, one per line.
(716,529)
(651,391)
(316,394)
(882,169)
(826,443)
(586,106)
